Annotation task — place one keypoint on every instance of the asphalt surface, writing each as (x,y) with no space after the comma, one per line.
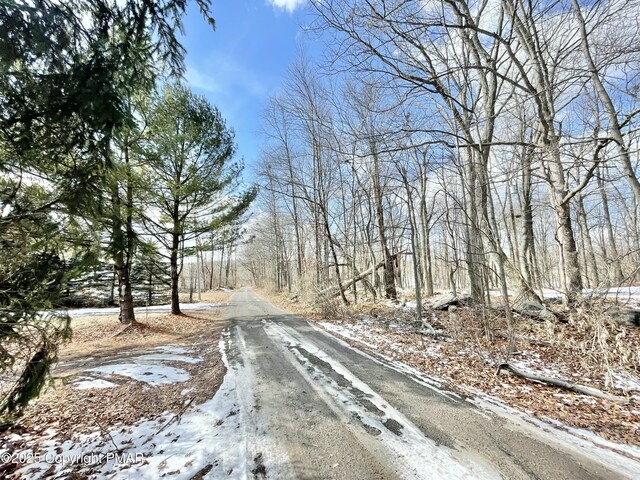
(319,409)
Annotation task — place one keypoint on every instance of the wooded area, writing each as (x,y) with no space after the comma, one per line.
(485,146)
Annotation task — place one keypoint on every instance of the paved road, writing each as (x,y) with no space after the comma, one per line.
(316,408)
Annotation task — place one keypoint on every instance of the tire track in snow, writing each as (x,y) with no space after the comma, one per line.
(264,459)
(360,407)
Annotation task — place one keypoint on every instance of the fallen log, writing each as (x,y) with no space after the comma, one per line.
(335,290)
(558,382)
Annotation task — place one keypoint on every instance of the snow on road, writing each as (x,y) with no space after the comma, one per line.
(416,455)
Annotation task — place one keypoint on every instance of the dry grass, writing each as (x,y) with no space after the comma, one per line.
(105,335)
(299,306)
(99,335)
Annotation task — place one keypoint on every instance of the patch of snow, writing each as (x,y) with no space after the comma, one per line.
(347,333)
(151,374)
(618,293)
(626,382)
(87,383)
(173,349)
(147,368)
(431,382)
(168,357)
(218,435)
(364,332)
(87,312)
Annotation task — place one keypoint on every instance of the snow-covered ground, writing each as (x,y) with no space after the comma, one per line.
(210,439)
(85,312)
(621,294)
(149,368)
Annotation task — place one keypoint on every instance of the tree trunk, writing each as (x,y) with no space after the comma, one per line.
(125,296)
(614,258)
(589,252)
(211,264)
(175,272)
(528,260)
(425,220)
(569,252)
(415,254)
(221,263)
(122,241)
(389,271)
(473,249)
(227,269)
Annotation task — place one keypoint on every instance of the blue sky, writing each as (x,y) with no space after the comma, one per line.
(240,64)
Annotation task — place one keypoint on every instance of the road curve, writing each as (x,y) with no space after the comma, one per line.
(315,408)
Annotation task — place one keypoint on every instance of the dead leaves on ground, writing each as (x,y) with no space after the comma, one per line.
(63,411)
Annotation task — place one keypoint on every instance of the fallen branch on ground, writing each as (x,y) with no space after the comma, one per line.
(106,433)
(177,416)
(533,376)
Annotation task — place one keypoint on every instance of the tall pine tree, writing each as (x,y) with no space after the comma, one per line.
(192,176)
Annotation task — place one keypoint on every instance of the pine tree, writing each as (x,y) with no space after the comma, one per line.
(193,180)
